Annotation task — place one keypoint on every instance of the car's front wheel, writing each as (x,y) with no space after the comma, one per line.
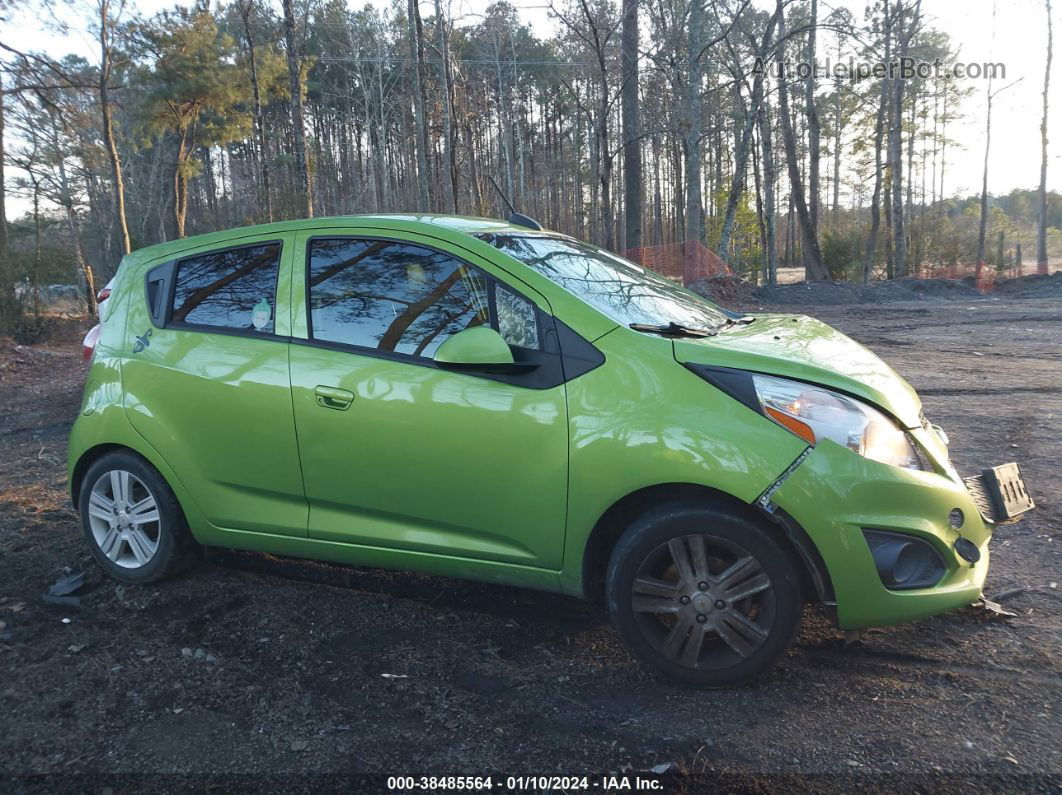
(132,520)
(703,596)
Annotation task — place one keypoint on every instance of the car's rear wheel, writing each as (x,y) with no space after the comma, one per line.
(132,520)
(702,595)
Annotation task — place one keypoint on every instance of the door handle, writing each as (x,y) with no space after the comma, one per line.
(330,397)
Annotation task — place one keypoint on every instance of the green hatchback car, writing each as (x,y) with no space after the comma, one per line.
(483,399)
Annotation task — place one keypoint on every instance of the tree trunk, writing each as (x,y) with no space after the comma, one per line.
(632,146)
(814,127)
(769,179)
(870,252)
(108,127)
(758,181)
(1041,228)
(302,169)
(943,140)
(787,253)
(983,222)
(3,188)
(658,198)
(605,180)
(835,204)
(752,113)
(814,269)
(180,185)
(473,163)
(899,237)
(421,138)
(82,263)
(899,232)
(64,198)
(35,279)
(423,133)
(889,271)
(211,187)
(913,121)
(441,43)
(692,149)
(245,7)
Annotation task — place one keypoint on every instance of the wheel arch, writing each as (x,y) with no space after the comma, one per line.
(87,459)
(791,537)
(93,454)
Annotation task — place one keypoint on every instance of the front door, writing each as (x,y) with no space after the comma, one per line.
(401,454)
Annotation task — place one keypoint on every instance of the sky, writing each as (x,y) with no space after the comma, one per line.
(1017,40)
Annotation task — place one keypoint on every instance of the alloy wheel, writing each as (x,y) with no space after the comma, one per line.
(703,601)
(124,519)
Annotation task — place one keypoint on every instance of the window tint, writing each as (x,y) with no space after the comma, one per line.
(517,321)
(391,296)
(233,289)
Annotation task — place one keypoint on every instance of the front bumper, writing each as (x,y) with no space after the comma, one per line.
(834,495)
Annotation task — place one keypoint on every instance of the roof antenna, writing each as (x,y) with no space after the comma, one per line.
(516,219)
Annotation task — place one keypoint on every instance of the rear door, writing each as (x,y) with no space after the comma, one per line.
(401,454)
(206,380)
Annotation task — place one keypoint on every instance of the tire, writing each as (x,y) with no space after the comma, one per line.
(715,619)
(133,544)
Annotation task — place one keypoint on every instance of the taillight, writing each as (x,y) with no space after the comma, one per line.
(88,345)
(103,295)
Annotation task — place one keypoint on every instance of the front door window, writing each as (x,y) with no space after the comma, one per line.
(393,297)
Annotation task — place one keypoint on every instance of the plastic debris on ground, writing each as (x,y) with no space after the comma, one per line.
(59,591)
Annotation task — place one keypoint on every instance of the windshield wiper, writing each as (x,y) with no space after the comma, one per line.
(673,329)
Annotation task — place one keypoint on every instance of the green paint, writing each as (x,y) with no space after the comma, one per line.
(447,471)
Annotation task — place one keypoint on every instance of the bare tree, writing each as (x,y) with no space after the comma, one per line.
(107,23)
(814,269)
(692,150)
(982,225)
(632,145)
(899,234)
(814,127)
(870,251)
(416,57)
(449,178)
(246,8)
(1041,229)
(597,31)
(744,143)
(3,184)
(770,176)
(64,196)
(302,168)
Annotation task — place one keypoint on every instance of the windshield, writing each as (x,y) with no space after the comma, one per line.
(626,292)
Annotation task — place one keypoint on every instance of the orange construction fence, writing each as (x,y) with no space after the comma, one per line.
(684,262)
(984,275)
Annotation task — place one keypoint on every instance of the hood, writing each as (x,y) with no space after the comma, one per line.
(805,349)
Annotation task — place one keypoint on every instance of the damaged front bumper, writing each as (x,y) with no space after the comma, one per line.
(838,498)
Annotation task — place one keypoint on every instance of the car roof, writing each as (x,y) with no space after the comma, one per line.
(408,222)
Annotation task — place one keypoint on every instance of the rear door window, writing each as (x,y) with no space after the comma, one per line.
(234,289)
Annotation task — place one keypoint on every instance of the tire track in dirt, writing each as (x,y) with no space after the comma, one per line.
(878,660)
(1039,390)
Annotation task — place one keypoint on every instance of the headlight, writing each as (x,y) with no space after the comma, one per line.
(813,413)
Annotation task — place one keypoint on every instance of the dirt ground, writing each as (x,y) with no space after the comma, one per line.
(252,671)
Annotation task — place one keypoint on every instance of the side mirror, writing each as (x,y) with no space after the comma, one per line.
(479,349)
